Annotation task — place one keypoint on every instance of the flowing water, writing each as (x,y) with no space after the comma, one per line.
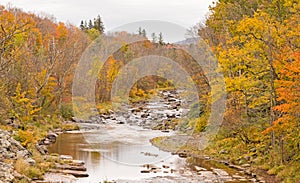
(116,152)
(122,152)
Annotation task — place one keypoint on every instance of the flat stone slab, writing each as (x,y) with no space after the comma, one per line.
(69,167)
(76,163)
(58,177)
(75,173)
(65,157)
(220,172)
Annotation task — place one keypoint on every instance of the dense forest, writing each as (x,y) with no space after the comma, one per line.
(257,47)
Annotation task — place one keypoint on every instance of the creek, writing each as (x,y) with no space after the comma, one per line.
(118,148)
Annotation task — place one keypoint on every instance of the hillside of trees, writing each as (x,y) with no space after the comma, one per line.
(257,47)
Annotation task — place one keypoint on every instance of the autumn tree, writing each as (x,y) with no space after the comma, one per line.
(38,57)
(257,43)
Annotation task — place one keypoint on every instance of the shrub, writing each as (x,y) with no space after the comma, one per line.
(26,137)
(66,111)
(21,166)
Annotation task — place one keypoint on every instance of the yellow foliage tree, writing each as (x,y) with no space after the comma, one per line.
(23,108)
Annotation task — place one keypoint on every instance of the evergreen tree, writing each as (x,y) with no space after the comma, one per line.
(91,24)
(154,38)
(160,39)
(98,24)
(82,27)
(144,34)
(140,31)
(85,25)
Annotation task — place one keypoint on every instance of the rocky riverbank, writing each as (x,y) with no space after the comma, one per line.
(186,148)
(14,159)
(65,168)
(10,151)
(160,113)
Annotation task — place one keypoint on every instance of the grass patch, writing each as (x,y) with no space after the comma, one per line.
(22,167)
(69,127)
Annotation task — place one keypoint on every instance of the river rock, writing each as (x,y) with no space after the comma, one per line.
(182,155)
(220,172)
(171,115)
(10,150)
(145,171)
(23,154)
(172,98)
(145,115)
(174,106)
(30,161)
(70,167)
(197,168)
(65,157)
(41,148)
(166,166)
(52,136)
(207,175)
(76,163)
(75,173)
(58,177)
(6,173)
(136,110)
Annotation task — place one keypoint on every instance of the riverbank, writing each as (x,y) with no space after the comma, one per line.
(110,141)
(109,156)
(124,135)
(14,157)
(189,150)
(22,162)
(54,166)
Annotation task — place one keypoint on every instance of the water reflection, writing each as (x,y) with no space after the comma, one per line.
(110,160)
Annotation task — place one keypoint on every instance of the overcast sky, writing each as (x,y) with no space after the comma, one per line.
(117,12)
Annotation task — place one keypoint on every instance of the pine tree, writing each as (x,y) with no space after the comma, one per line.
(144,34)
(154,38)
(140,31)
(160,39)
(91,24)
(82,27)
(85,25)
(98,24)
